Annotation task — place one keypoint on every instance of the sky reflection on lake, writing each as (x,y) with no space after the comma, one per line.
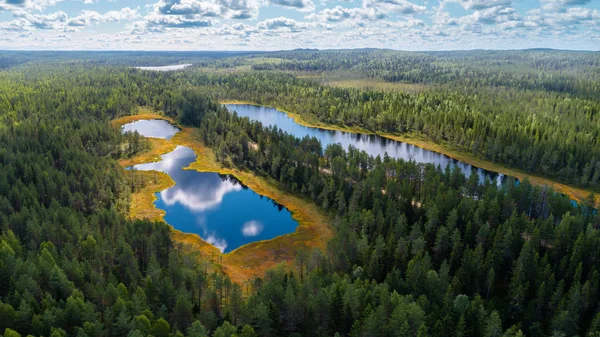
(220,209)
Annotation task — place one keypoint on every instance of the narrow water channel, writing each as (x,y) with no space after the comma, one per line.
(374,145)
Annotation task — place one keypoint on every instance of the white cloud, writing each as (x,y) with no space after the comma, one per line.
(26,21)
(55,20)
(186,7)
(340,13)
(281,24)
(86,17)
(252,228)
(30,5)
(300,5)
(160,22)
(397,6)
(233,24)
(482,4)
(240,9)
(238,29)
(492,15)
(561,5)
(180,14)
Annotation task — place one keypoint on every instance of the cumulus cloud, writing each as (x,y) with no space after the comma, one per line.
(86,18)
(19,25)
(26,21)
(240,9)
(160,22)
(300,5)
(231,9)
(281,24)
(561,5)
(238,29)
(339,13)
(44,21)
(371,10)
(219,24)
(566,19)
(30,5)
(492,15)
(186,7)
(397,6)
(482,4)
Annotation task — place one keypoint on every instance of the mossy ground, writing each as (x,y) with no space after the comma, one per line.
(250,260)
(575,193)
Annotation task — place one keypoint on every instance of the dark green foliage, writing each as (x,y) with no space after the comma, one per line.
(418,250)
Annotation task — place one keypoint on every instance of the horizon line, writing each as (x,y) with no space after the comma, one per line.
(294,49)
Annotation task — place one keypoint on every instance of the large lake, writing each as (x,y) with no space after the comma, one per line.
(372,144)
(220,209)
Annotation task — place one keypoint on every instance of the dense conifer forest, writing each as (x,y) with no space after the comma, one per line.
(418,250)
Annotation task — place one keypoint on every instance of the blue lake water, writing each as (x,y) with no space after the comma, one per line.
(220,209)
(155,128)
(372,144)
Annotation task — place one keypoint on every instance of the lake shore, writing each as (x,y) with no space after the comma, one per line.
(250,260)
(574,193)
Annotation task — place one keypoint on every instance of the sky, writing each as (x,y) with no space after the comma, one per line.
(289,24)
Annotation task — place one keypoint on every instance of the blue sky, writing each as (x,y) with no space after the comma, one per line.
(288,24)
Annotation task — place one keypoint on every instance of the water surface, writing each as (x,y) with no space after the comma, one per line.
(155,128)
(220,209)
(165,68)
(372,144)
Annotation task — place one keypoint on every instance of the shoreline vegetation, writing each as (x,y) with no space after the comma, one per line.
(577,194)
(250,260)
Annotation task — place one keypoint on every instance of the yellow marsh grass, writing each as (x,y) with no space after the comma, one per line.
(575,193)
(142,201)
(250,260)
(158,147)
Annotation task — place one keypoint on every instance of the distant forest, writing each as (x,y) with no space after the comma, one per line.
(418,250)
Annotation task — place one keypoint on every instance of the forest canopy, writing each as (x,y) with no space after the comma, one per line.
(418,250)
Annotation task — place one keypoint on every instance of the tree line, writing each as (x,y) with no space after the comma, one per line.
(538,132)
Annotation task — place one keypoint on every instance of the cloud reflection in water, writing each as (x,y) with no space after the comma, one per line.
(217,207)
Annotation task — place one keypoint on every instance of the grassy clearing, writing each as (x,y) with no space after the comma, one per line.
(142,201)
(575,193)
(250,260)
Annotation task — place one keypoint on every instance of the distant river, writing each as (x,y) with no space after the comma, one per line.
(372,144)
(221,210)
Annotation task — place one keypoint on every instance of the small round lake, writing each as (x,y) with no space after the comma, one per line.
(154,128)
(372,144)
(220,209)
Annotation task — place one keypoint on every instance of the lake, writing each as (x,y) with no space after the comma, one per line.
(372,144)
(220,209)
(165,68)
(154,128)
